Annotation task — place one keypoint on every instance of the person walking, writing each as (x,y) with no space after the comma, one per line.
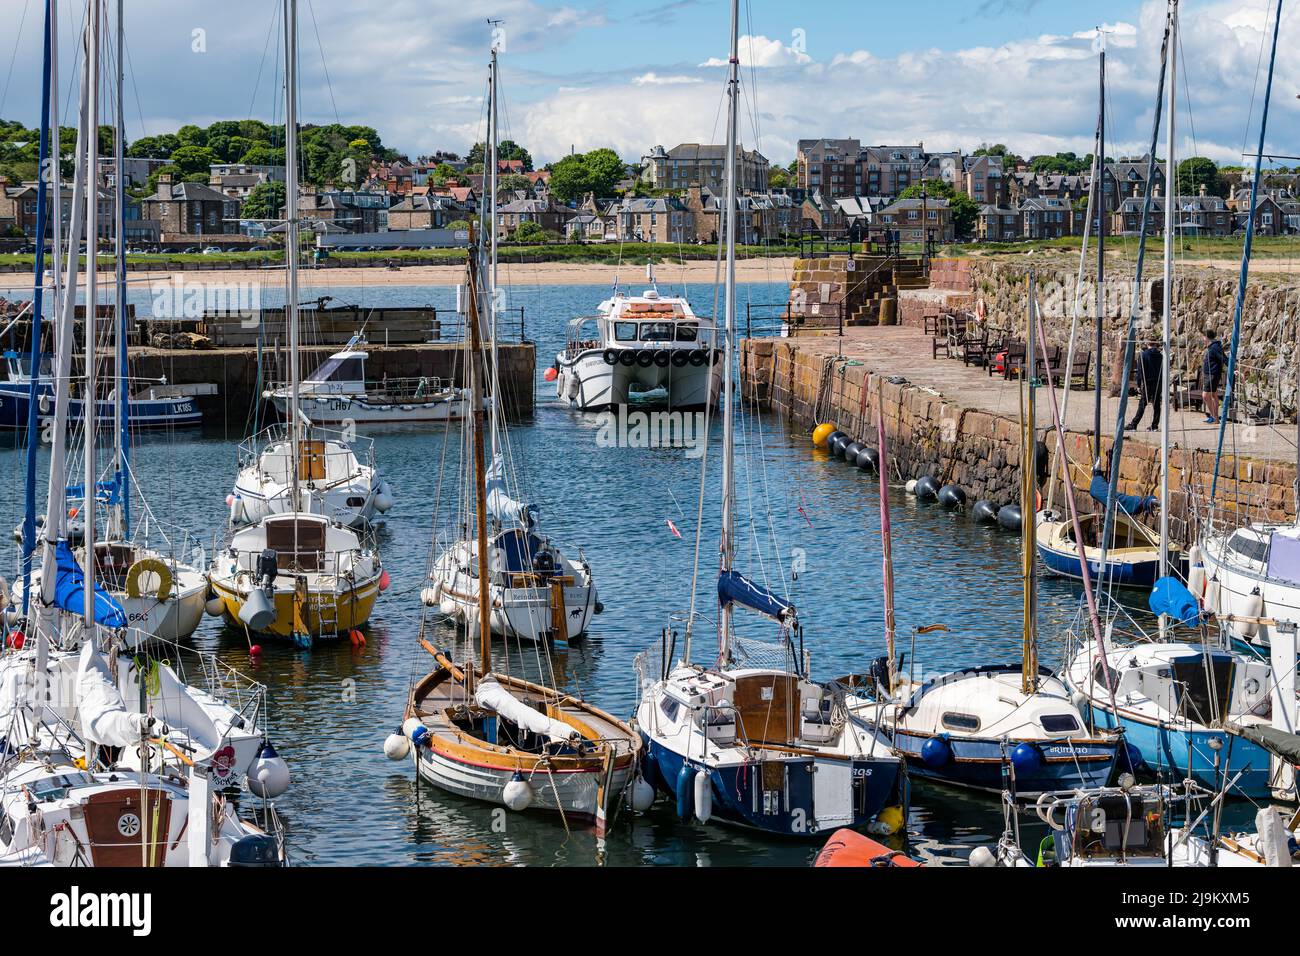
(1212,376)
(1151,373)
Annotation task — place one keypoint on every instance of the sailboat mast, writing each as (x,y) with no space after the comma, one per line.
(476,367)
(727,543)
(291,232)
(88,400)
(493,137)
(123,412)
(38,313)
(1171,199)
(1103,206)
(886,538)
(1028,509)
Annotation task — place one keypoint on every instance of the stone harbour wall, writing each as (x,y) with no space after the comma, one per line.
(981,451)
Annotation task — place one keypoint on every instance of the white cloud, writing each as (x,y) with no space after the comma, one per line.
(654,79)
(758,50)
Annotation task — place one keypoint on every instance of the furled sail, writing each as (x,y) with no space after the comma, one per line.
(491,695)
(104,717)
(1129,504)
(70,591)
(1285,745)
(735,588)
(499,503)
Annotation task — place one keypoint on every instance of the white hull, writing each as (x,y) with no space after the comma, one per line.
(1238,578)
(351,504)
(589,383)
(342,410)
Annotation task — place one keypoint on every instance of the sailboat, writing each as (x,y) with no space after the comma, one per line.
(486,734)
(537,592)
(77,683)
(162,595)
(1132,552)
(297,574)
(1193,709)
(751,740)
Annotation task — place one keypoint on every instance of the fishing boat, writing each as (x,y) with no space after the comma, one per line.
(752,741)
(337,483)
(484,733)
(297,574)
(1002,726)
(637,345)
(537,593)
(337,393)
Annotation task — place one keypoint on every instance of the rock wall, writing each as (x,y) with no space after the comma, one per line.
(980,451)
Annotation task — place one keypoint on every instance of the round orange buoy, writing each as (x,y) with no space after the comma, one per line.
(255,650)
(16,640)
(551,374)
(357,638)
(384,580)
(74,512)
(849,848)
(821,433)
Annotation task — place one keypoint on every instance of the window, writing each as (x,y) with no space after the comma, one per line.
(625,331)
(668,707)
(955,721)
(1252,549)
(1059,723)
(656,331)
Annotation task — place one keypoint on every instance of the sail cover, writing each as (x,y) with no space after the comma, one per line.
(491,695)
(70,591)
(1285,745)
(735,588)
(1129,504)
(499,503)
(104,717)
(1170,597)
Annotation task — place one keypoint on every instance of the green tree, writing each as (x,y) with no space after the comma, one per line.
(265,201)
(1197,171)
(529,232)
(506,149)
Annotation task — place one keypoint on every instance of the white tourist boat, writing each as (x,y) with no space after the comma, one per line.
(297,573)
(336,393)
(639,344)
(332,479)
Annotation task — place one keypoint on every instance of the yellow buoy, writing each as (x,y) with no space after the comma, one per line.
(890,820)
(821,433)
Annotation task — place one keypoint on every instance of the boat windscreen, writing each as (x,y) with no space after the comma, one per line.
(337,369)
(1203,685)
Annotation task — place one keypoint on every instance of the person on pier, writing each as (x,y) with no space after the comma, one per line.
(1150,381)
(1212,376)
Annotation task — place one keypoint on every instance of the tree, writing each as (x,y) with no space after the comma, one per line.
(596,172)
(529,232)
(965,211)
(779,179)
(265,201)
(514,181)
(1197,171)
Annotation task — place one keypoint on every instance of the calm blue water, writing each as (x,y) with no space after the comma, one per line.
(331,707)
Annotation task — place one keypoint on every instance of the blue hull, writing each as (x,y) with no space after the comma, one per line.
(739,798)
(1165,751)
(1129,574)
(978,763)
(151,413)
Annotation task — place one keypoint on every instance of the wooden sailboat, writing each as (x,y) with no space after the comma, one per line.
(297,574)
(482,733)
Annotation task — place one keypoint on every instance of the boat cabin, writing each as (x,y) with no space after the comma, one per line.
(1183,681)
(343,373)
(645,321)
(18,367)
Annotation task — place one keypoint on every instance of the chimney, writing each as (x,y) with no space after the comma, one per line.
(1204,190)
(164,185)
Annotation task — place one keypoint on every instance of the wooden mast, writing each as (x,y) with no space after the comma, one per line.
(480,478)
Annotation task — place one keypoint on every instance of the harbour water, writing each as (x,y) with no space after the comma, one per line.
(332,706)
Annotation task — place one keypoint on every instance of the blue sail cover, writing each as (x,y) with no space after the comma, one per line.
(70,591)
(1170,597)
(1129,504)
(735,588)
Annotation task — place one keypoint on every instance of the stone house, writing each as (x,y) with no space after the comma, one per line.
(425,212)
(190,209)
(913,221)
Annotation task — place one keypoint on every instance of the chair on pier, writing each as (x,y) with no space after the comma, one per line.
(1013,362)
(1080,367)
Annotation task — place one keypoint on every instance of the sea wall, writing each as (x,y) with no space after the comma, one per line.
(981,451)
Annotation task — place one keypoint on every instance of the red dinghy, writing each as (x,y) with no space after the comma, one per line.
(850,848)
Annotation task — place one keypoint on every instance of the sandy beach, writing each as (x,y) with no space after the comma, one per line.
(533,273)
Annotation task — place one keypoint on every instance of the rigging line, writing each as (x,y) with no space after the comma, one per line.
(257,82)
(311,9)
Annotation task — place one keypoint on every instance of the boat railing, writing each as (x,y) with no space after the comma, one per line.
(208,673)
(363,449)
(327,565)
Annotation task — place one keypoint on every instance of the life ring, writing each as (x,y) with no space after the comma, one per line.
(611,356)
(149,566)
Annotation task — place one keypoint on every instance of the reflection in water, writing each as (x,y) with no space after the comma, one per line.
(332,706)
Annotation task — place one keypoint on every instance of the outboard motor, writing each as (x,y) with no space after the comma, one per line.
(258,610)
(258,850)
(544,563)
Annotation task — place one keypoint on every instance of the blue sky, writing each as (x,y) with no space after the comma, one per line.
(587,73)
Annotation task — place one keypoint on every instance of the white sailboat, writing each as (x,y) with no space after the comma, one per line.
(752,740)
(536,592)
(297,574)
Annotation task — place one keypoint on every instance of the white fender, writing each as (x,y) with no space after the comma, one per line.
(1247,605)
(703,796)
